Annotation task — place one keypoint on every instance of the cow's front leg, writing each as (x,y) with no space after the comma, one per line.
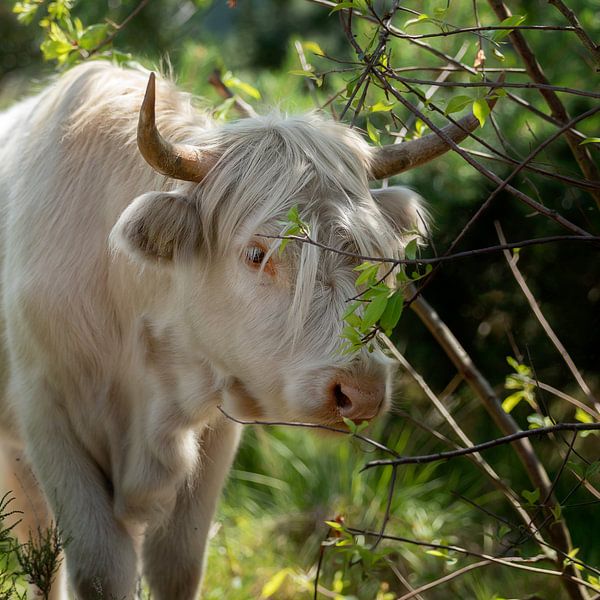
(100,555)
(174,553)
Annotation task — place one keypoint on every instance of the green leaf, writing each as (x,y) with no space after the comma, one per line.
(351,309)
(410,252)
(273,585)
(373,133)
(351,425)
(511,401)
(382,106)
(368,274)
(503,530)
(353,320)
(302,73)
(25,12)
(346,542)
(342,5)
(373,311)
(419,128)
(92,36)
(55,49)
(582,416)
(590,140)
(352,335)
(536,421)
(531,496)
(481,110)
(512,362)
(512,21)
(361,426)
(437,553)
(392,313)
(293,216)
(237,84)
(314,48)
(457,103)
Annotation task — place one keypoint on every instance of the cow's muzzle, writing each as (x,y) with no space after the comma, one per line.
(357,400)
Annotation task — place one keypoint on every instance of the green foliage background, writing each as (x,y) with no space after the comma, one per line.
(286,483)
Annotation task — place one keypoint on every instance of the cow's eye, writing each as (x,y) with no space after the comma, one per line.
(254,255)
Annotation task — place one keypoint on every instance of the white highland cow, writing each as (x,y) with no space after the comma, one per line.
(139,294)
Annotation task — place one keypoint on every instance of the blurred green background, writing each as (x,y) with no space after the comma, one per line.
(287,482)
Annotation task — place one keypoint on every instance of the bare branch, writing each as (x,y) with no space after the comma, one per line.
(428,458)
(512,263)
(358,436)
(559,112)
(586,40)
(117,29)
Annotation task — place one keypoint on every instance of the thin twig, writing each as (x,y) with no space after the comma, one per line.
(445,579)
(586,40)
(117,28)
(544,323)
(507,439)
(479,460)
(460,30)
(362,438)
(436,259)
(495,84)
(559,112)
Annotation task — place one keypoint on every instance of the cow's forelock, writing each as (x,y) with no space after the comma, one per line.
(269,165)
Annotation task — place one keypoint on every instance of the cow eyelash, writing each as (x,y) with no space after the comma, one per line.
(254,255)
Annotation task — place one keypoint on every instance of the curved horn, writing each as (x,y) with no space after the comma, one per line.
(395,158)
(180,161)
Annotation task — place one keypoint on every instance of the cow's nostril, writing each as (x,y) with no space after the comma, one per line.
(341,400)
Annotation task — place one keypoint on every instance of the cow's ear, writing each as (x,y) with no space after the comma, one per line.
(158,226)
(405,209)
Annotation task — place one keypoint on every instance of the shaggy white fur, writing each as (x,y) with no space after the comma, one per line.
(131,310)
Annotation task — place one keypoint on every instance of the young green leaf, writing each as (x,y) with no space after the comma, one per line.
(369,273)
(512,21)
(314,48)
(351,309)
(481,110)
(411,250)
(457,103)
(511,401)
(373,133)
(531,496)
(392,313)
(582,416)
(382,107)
(373,312)
(92,36)
(342,5)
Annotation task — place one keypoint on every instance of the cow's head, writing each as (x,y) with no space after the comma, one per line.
(269,323)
